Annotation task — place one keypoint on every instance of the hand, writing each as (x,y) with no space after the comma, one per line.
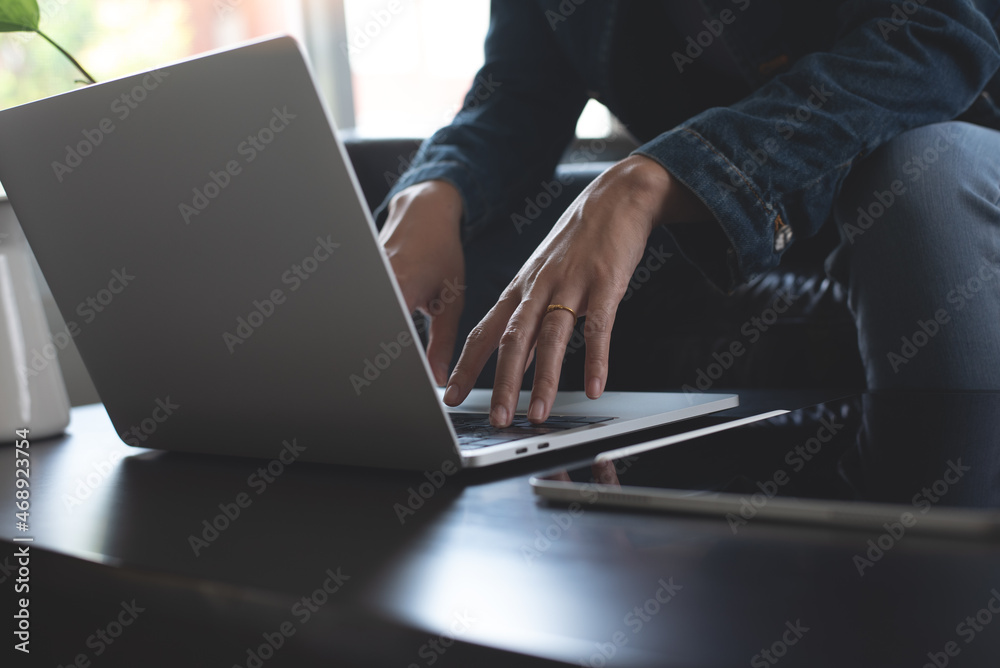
(584,263)
(422,239)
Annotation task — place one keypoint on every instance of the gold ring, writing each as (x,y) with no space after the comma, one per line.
(560,307)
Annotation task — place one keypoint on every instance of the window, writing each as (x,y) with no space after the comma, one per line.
(409,77)
(387,67)
(112,38)
(412,62)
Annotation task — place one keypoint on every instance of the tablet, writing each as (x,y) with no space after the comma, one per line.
(894,463)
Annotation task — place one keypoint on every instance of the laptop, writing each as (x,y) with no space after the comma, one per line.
(205,238)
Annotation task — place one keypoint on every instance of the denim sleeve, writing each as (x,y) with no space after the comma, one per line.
(770,167)
(516,121)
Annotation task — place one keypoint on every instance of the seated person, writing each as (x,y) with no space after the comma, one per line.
(762,121)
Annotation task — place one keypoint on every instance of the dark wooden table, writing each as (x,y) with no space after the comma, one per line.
(336,566)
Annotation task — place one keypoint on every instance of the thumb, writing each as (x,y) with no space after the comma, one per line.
(441,341)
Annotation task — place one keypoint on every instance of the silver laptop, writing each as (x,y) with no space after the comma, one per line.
(205,238)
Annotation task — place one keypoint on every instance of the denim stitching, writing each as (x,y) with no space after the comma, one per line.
(711,148)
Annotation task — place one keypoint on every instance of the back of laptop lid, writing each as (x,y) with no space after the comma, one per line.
(202,233)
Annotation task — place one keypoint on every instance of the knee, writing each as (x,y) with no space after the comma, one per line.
(921,183)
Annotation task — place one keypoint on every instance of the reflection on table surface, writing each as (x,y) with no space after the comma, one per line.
(916,449)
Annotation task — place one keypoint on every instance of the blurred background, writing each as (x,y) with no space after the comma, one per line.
(388,68)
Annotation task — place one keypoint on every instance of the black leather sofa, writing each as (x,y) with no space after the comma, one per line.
(674,329)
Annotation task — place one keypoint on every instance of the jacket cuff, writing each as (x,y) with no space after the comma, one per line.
(750,235)
(451,171)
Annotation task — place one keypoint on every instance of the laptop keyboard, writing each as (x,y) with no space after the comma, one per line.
(475,431)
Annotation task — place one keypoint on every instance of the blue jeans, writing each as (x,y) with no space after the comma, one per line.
(919,222)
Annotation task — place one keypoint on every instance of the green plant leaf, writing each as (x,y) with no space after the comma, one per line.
(23,16)
(18,15)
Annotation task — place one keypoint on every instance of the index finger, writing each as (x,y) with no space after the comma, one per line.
(479,345)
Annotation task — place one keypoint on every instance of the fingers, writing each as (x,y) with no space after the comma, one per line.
(515,345)
(584,263)
(597,334)
(531,358)
(441,338)
(479,346)
(605,473)
(422,242)
(553,336)
(531,330)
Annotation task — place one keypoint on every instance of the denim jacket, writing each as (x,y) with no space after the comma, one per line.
(828,85)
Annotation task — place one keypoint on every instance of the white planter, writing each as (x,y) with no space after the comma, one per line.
(32,394)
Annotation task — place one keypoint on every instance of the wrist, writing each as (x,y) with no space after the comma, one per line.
(665,197)
(428,208)
(436,194)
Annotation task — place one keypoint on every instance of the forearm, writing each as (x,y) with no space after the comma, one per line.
(775,162)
